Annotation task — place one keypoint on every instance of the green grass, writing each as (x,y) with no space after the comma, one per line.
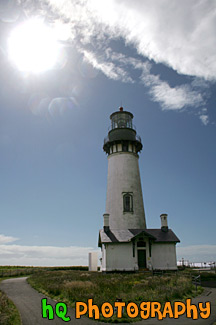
(9,314)
(14,271)
(72,286)
(208,276)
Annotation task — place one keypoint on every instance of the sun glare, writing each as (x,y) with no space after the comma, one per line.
(33,47)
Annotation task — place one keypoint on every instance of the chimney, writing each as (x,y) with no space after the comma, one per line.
(106,222)
(164,224)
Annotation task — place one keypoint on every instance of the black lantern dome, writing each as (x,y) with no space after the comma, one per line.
(122,131)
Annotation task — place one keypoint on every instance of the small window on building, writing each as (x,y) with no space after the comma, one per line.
(125,147)
(141,243)
(128,202)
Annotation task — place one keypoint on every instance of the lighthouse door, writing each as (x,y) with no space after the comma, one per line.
(141,258)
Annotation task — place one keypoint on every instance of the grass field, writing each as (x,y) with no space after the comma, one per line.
(14,271)
(72,286)
(9,314)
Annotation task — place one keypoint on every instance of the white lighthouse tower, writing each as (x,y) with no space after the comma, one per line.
(125,241)
(124,201)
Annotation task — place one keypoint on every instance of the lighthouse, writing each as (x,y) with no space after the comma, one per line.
(124,201)
(126,242)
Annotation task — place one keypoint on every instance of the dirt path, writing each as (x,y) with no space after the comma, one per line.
(28,302)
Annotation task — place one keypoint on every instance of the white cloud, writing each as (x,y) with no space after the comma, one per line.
(7,239)
(175,97)
(111,70)
(180,34)
(197,253)
(204,118)
(44,255)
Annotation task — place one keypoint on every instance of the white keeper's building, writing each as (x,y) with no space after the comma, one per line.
(126,242)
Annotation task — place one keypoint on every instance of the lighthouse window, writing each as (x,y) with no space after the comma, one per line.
(128,203)
(125,147)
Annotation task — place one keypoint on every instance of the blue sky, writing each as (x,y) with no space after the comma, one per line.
(157,59)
